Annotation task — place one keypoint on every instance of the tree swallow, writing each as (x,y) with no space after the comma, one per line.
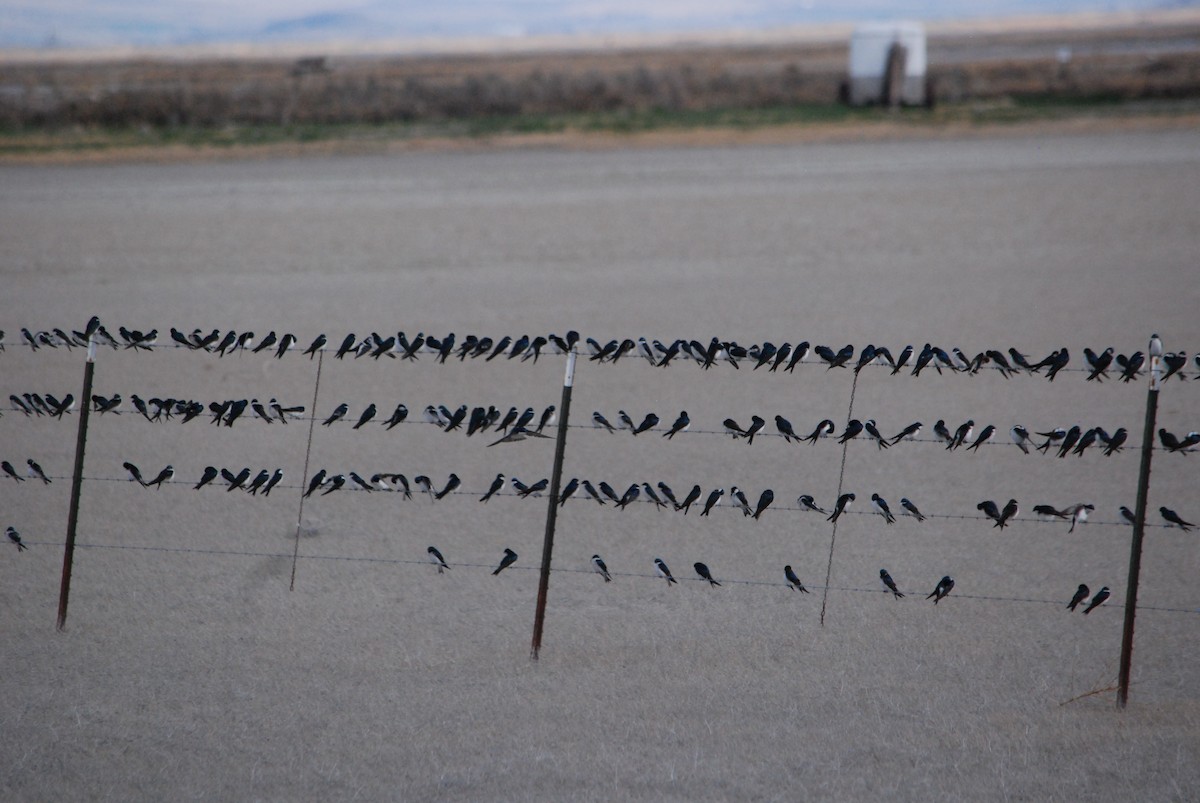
(600,568)
(792,580)
(435,557)
(944,586)
(889,584)
(660,568)
(1098,600)
(705,574)
(509,559)
(1081,594)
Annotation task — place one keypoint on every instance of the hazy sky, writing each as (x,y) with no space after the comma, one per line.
(72,23)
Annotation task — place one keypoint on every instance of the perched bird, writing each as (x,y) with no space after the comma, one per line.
(668,494)
(1098,600)
(316,346)
(509,559)
(705,574)
(961,434)
(990,510)
(792,580)
(908,433)
(338,413)
(652,496)
(823,430)
(398,415)
(599,421)
(1128,516)
(943,433)
(889,584)
(1009,511)
(732,428)
(135,475)
(944,587)
(806,502)
(689,500)
(649,422)
(842,503)
(756,424)
(680,425)
(910,509)
(764,501)
(568,491)
(353,476)
(984,436)
(1052,437)
(435,557)
(785,428)
(902,361)
(10,471)
(1174,518)
(15,537)
(853,427)
(1079,514)
(366,416)
(1131,367)
(34,471)
(163,476)
(317,481)
(1081,594)
(210,474)
(1020,437)
(600,568)
(713,500)
(873,431)
(451,483)
(660,568)
(271,483)
(631,494)
(590,490)
(238,480)
(881,507)
(739,499)
(608,491)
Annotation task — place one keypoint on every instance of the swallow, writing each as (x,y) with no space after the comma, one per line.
(568,491)
(1052,437)
(509,559)
(838,360)
(1020,437)
(873,431)
(316,346)
(259,480)
(534,490)
(984,436)
(339,412)
(163,476)
(1099,363)
(402,482)
(518,433)
(798,355)
(668,494)
(210,474)
(990,510)
(910,509)
(590,490)
(764,501)
(943,433)
(366,416)
(785,429)
(285,345)
(15,537)
(1169,441)
(1081,594)
(631,494)
(1079,514)
(823,430)
(398,416)
(908,433)
(451,483)
(689,500)
(732,428)
(238,480)
(1086,440)
(1058,361)
(600,422)
(1175,362)
(900,362)
(853,427)
(923,360)
(549,416)
(317,481)
(739,500)
(649,422)
(961,434)
(134,474)
(713,500)
(660,568)
(1128,516)
(10,471)
(842,503)
(889,584)
(881,507)
(271,483)
(34,471)
(601,568)
(1131,366)
(944,587)
(1069,440)
(792,580)
(806,502)
(20,405)
(865,357)
(1175,519)
(705,574)
(756,425)
(435,557)
(653,496)
(1098,600)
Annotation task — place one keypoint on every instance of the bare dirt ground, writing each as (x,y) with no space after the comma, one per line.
(188,667)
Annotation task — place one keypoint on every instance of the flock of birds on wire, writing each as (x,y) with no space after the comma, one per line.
(785,356)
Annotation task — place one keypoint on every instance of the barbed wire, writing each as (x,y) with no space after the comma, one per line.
(426,565)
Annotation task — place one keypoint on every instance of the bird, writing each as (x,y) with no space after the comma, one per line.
(15,537)
(1131,366)
(631,494)
(984,436)
(902,360)
(961,434)
(668,494)
(1020,437)
(653,496)
(873,431)
(135,475)
(601,568)
(10,471)
(908,433)
(889,584)
(317,481)
(590,490)
(238,480)
(649,422)
(944,587)
(792,580)
(842,503)
(1174,518)
(1078,513)
(689,500)
(785,429)
(756,424)
(34,471)
(1175,362)
(163,476)
(910,509)
(1128,516)
(853,427)
(739,500)
(509,559)
(823,430)
(806,502)
(660,568)
(1081,594)
(1099,363)
(599,421)
(353,476)
(568,491)
(764,501)
(705,574)
(398,415)
(435,557)
(210,474)
(316,346)
(608,491)
(535,489)
(733,428)
(366,416)
(549,416)
(881,507)
(338,412)
(271,483)
(517,433)
(714,499)
(451,483)
(1010,510)
(943,433)
(680,425)
(1098,600)
(990,510)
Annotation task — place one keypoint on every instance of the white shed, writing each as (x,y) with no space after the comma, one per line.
(871,49)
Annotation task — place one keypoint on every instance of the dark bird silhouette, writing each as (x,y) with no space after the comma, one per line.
(944,587)
(15,537)
(509,559)
(660,568)
(435,557)
(889,583)
(1081,594)
(842,503)
(601,568)
(792,580)
(702,570)
(1098,600)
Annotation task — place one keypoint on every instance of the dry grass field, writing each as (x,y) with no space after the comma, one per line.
(188,669)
